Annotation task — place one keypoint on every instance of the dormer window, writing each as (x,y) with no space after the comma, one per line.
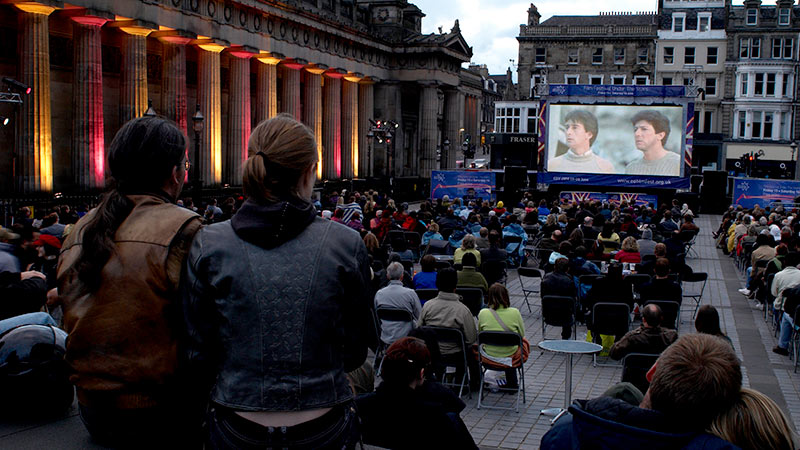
(784,16)
(678,21)
(752,16)
(703,22)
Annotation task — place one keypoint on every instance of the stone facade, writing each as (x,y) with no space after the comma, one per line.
(94,64)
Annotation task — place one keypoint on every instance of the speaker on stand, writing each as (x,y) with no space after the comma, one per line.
(714,192)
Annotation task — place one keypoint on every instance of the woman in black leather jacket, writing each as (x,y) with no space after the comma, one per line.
(276,303)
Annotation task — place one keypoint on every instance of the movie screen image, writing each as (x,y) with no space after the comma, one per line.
(615,139)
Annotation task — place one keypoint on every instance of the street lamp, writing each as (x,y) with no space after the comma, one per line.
(197,125)
(446,148)
(370,136)
(793,146)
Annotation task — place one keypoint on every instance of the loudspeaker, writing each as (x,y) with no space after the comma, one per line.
(515,178)
(714,192)
(695,181)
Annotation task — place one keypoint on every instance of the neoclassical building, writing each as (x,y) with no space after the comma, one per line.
(333,64)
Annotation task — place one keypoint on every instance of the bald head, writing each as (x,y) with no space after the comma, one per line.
(556,236)
(651,316)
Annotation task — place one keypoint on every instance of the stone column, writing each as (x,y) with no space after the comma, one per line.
(429,112)
(332,126)
(366,109)
(210,98)
(454,122)
(133,83)
(238,117)
(290,94)
(88,146)
(312,113)
(267,86)
(173,80)
(34,140)
(350,126)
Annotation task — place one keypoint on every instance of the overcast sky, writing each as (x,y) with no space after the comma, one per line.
(491,26)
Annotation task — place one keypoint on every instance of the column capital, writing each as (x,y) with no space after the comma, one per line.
(133,27)
(172,36)
(354,77)
(334,73)
(430,83)
(242,51)
(369,80)
(270,59)
(89,16)
(41,7)
(316,69)
(294,63)
(211,45)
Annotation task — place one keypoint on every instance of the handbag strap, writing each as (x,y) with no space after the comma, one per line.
(500,321)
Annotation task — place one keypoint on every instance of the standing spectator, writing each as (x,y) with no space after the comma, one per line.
(273,347)
(650,337)
(396,296)
(500,316)
(118,278)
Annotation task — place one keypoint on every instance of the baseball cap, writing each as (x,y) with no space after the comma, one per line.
(46,239)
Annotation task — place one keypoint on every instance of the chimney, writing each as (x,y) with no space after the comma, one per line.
(533,15)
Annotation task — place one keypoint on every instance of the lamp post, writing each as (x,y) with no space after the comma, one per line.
(793,145)
(370,136)
(197,125)
(446,148)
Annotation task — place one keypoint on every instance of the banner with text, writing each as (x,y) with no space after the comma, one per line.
(635,181)
(748,192)
(613,198)
(462,184)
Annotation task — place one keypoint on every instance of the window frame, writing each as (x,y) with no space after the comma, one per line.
(790,46)
(675,20)
(639,77)
(755,48)
(572,76)
(591,77)
(686,55)
(642,52)
(671,56)
(751,13)
(536,55)
(595,55)
(713,85)
(784,13)
(744,48)
(744,84)
(708,55)
(619,52)
(577,56)
(664,81)
(700,18)
(617,77)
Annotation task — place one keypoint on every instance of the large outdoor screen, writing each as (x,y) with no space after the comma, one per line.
(615,139)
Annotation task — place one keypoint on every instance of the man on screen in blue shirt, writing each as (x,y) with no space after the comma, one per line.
(650,134)
(581,132)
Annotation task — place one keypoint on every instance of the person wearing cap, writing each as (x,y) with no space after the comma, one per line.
(500,208)
(8,260)
(48,248)
(647,246)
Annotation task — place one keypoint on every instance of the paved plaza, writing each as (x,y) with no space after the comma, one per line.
(752,337)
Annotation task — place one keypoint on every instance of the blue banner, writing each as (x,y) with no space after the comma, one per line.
(614,90)
(463,184)
(748,192)
(634,181)
(613,198)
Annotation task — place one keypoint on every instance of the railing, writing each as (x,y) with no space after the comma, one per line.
(588,30)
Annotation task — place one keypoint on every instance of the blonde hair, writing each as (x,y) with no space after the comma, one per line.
(290,150)
(468,242)
(434,227)
(754,421)
(629,244)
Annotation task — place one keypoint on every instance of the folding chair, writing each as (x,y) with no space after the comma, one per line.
(408,265)
(688,237)
(769,299)
(472,298)
(558,310)
(693,285)
(443,265)
(637,281)
(635,367)
(395,237)
(670,312)
(414,241)
(532,274)
(610,319)
(456,360)
(494,271)
(513,254)
(426,294)
(437,247)
(501,339)
(388,315)
(586,280)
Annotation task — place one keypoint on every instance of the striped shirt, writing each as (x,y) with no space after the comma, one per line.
(669,164)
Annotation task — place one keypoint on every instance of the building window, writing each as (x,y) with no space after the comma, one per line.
(642,56)
(595,79)
(743,81)
(618,79)
(755,129)
(785,85)
(540,55)
(784,131)
(759,84)
(703,22)
(619,56)
(535,80)
(666,81)
(711,56)
(788,48)
(771,84)
(507,120)
(572,56)
(742,124)
(669,55)
(744,48)
(597,56)
(711,86)
(752,16)
(677,22)
(755,48)
(641,80)
(777,48)
(784,16)
(708,122)
(769,119)
(572,79)
(532,116)
(688,56)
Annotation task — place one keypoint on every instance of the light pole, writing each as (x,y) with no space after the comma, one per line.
(370,137)
(197,125)
(793,145)
(446,148)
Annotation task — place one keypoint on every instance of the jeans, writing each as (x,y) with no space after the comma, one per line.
(37,318)
(337,429)
(749,277)
(787,326)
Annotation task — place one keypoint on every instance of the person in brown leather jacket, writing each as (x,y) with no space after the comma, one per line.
(118,280)
(648,338)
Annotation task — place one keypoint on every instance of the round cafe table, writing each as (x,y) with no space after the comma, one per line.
(569,348)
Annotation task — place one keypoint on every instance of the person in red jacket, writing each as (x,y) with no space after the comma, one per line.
(629,252)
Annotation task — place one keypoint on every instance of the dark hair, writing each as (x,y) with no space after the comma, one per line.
(140,159)
(652,315)
(608,230)
(659,122)
(469,259)
(781,249)
(494,237)
(497,297)
(585,118)
(447,280)
(565,248)
(792,259)
(707,321)
(403,361)
(764,239)
(428,263)
(662,267)
(562,265)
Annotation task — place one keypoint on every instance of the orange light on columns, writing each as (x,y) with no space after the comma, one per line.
(350,125)
(210,96)
(267,85)
(312,111)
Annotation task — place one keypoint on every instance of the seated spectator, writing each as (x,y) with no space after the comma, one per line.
(560,283)
(499,209)
(375,221)
(552,242)
(482,241)
(754,422)
(48,248)
(648,267)
(646,244)
(608,236)
(661,287)
(495,252)
(408,280)
(576,238)
(400,248)
(52,226)
(564,251)
(689,225)
(579,265)
(396,296)
(426,279)
(406,392)
(786,279)
(629,252)
(467,246)
(667,227)
(648,338)
(375,250)
(500,316)
(762,251)
(9,262)
(432,233)
(707,321)
(22,293)
(611,288)
(469,277)
(587,228)
(446,310)
(355,221)
(694,380)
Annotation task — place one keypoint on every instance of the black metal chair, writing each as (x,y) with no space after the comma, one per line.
(532,275)
(437,247)
(688,237)
(455,360)
(443,265)
(670,312)
(610,319)
(501,339)
(693,285)
(414,241)
(472,298)
(426,294)
(635,367)
(494,271)
(408,265)
(388,315)
(637,281)
(558,310)
(513,254)
(586,280)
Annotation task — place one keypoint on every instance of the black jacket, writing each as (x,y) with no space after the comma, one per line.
(277,308)
(661,289)
(20,296)
(558,284)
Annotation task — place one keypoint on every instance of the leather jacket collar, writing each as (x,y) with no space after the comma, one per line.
(270,224)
